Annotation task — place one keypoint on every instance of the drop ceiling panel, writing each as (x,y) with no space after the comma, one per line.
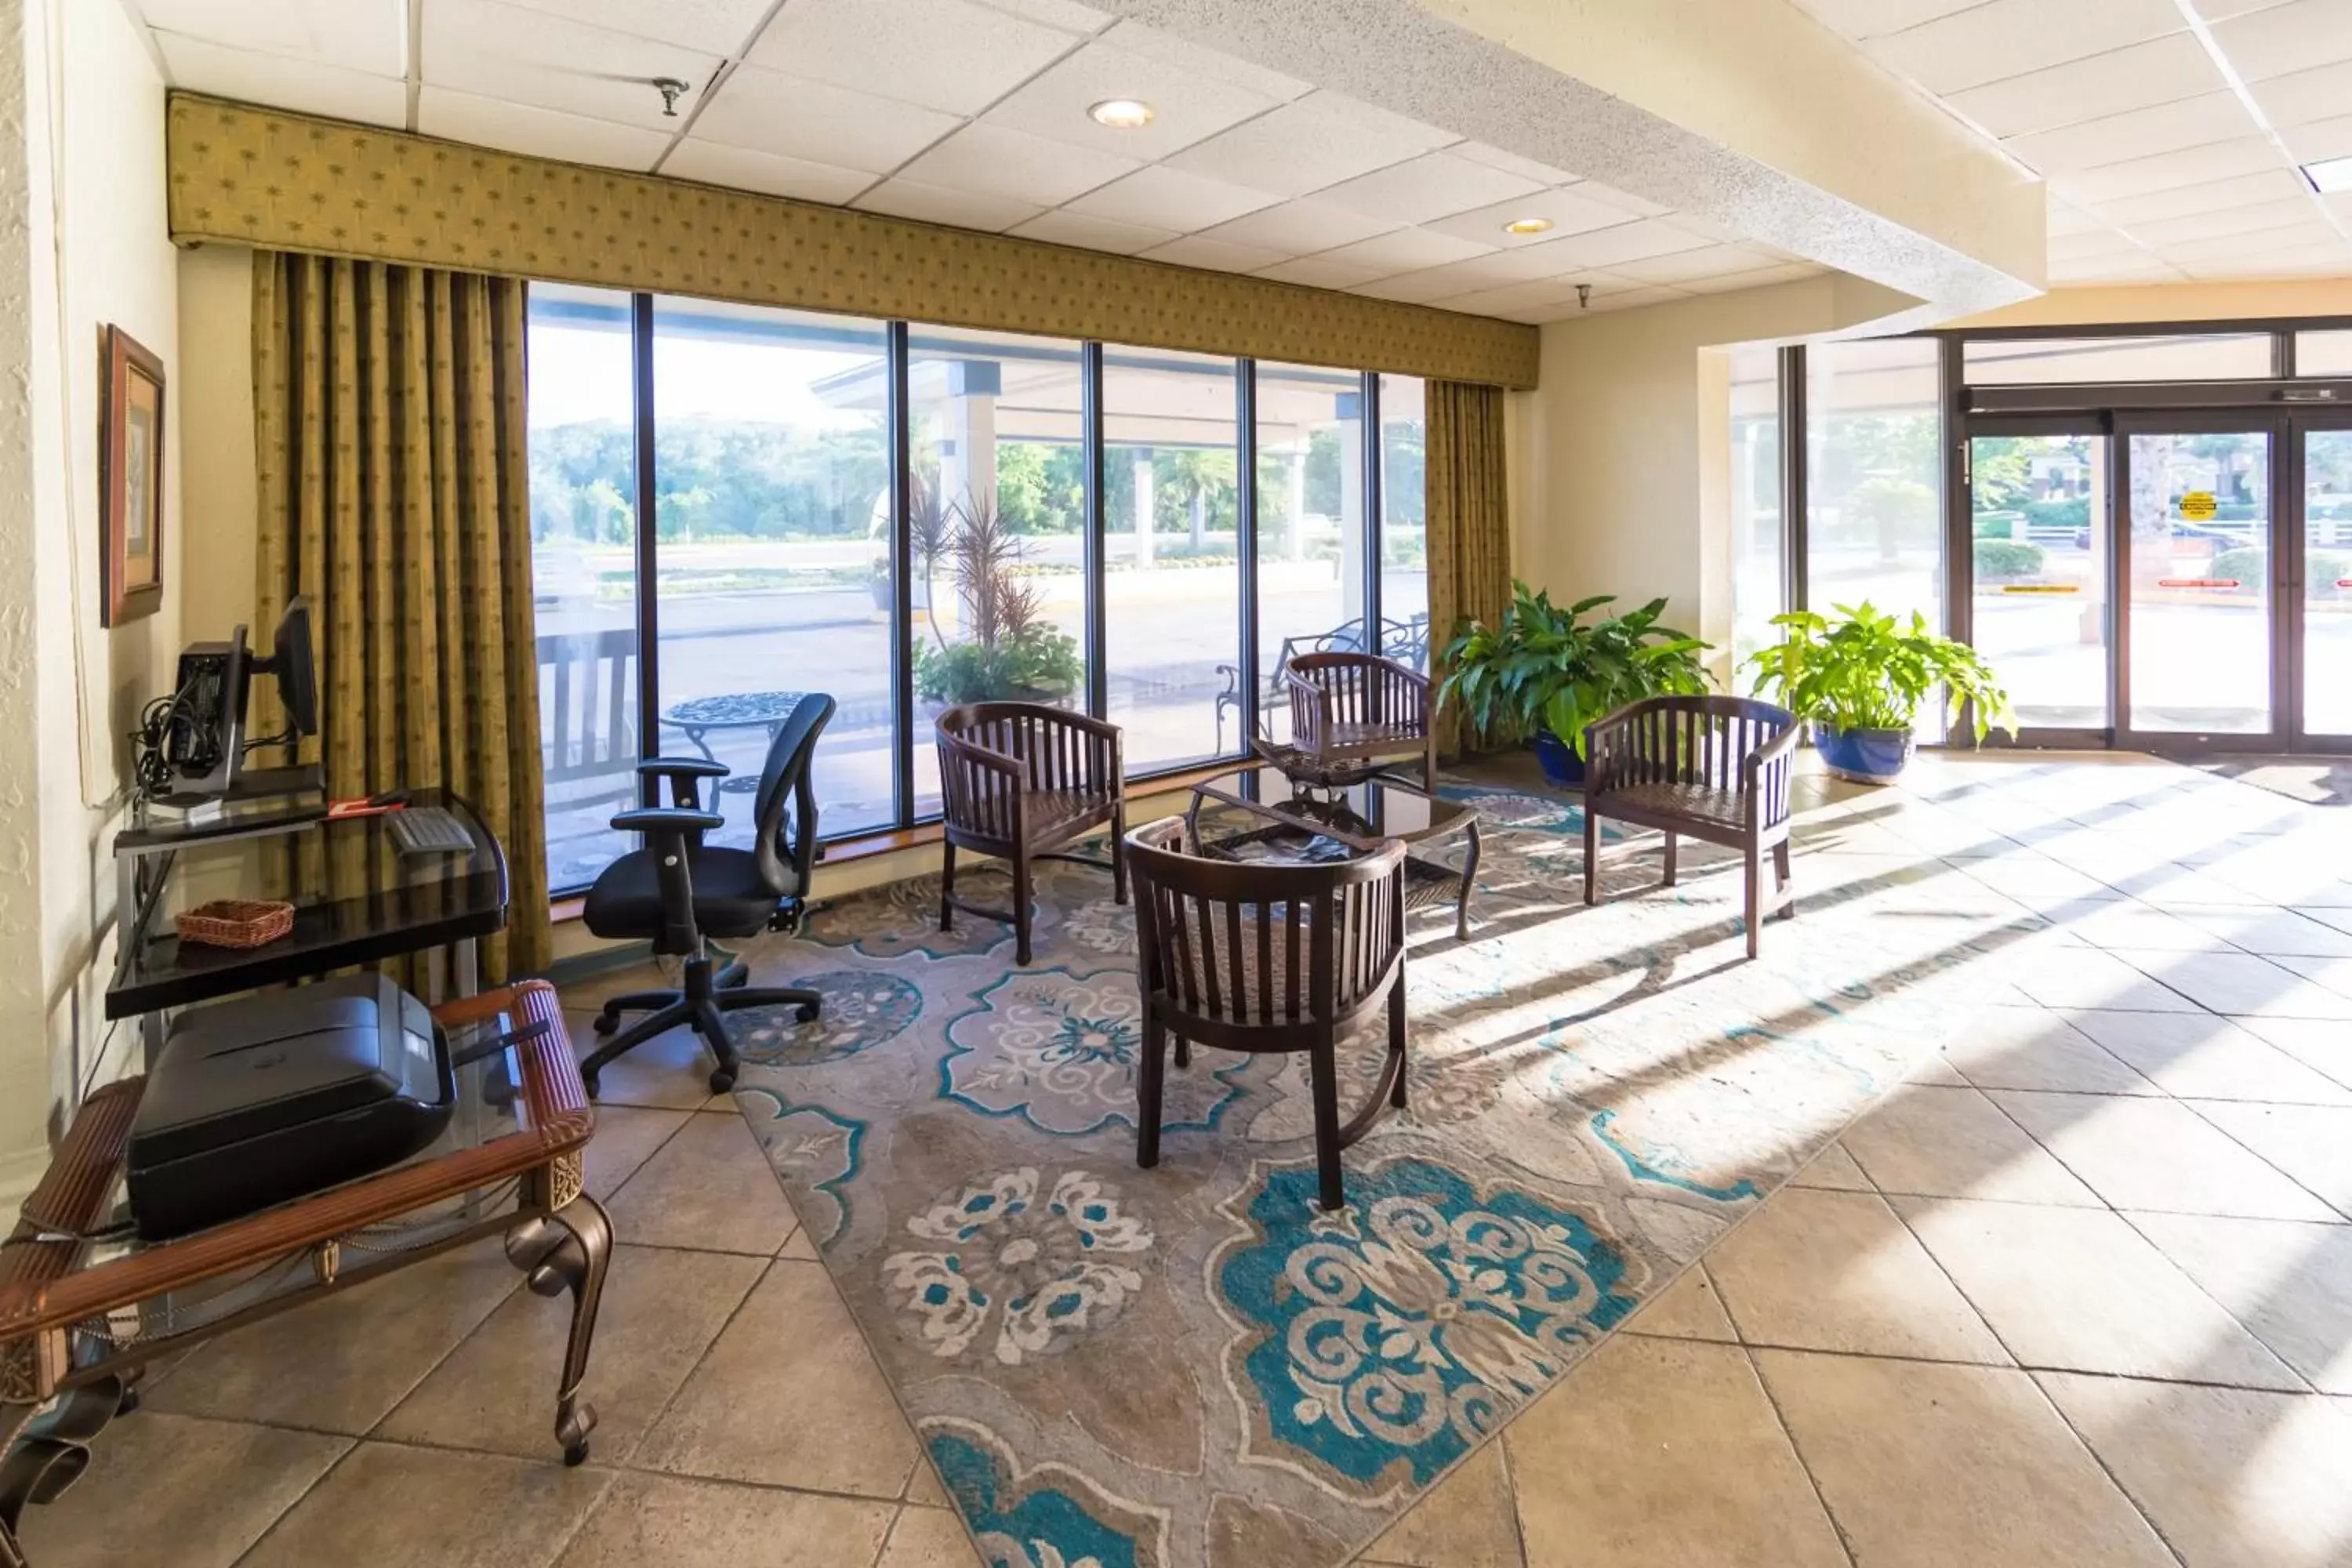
(370,36)
(1631,300)
(1150,42)
(1317,272)
(2214,202)
(1301,227)
(818,122)
(1408,250)
(765,173)
(1571,211)
(1762,277)
(2290,37)
(2142,133)
(712,26)
(1000,161)
(1434,185)
(1318,140)
(1093,233)
(2303,96)
(2169,235)
(496,51)
(1162,197)
(2321,138)
(937,203)
(201,65)
(2307,229)
(2138,77)
(1876,19)
(2009,38)
(1684,268)
(1512,163)
(541,133)
(949,55)
(1066,14)
(1193,251)
(1636,241)
(1188,105)
(2190,166)
(2101,242)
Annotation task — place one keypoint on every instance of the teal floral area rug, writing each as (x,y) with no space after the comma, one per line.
(1194,1365)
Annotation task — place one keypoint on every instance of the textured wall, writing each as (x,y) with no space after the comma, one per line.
(258,176)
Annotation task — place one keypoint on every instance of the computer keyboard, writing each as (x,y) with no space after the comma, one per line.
(429,830)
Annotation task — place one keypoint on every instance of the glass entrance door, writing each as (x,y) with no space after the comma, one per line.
(2324,637)
(2041,518)
(2200,638)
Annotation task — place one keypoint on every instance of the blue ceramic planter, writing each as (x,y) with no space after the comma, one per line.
(1558,761)
(1865,756)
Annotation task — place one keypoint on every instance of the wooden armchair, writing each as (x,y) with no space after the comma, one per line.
(1023,781)
(1351,714)
(1714,768)
(1269,957)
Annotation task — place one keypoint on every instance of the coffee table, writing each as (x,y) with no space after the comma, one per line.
(85,1306)
(1256,813)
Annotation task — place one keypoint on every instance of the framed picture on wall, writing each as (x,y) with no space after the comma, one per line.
(131,481)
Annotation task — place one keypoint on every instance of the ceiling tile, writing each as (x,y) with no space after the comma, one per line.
(1093,233)
(1762,277)
(2321,138)
(1874,18)
(2219,10)
(1193,251)
(283,82)
(1318,140)
(1066,14)
(2291,37)
(2141,133)
(2309,229)
(1571,211)
(372,37)
(1300,227)
(818,122)
(1185,55)
(1434,185)
(2009,38)
(1610,196)
(1162,197)
(492,49)
(1512,163)
(2188,166)
(2163,234)
(2212,197)
(1631,300)
(1500,267)
(713,27)
(1316,272)
(2098,242)
(937,203)
(2157,71)
(2303,96)
(1635,241)
(1683,268)
(2325,259)
(2138,267)
(1408,250)
(765,173)
(1000,160)
(949,55)
(1188,106)
(541,132)
(1411,288)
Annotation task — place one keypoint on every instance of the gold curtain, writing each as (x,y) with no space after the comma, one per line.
(1469,518)
(389,437)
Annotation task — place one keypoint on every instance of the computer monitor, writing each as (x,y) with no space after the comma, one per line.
(289,662)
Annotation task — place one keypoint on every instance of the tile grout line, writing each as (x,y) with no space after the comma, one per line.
(1789,1436)
(299,1497)
(1510,1489)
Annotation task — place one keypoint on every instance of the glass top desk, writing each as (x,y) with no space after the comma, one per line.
(376,902)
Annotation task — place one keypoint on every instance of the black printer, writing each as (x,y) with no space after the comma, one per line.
(272,1097)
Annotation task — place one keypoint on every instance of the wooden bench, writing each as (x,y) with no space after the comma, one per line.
(1711,768)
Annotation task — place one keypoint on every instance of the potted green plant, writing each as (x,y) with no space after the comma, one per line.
(1542,673)
(1860,679)
(1008,650)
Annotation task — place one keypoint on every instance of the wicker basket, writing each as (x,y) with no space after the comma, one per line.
(236,922)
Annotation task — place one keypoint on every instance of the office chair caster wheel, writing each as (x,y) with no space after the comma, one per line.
(722,1080)
(607,1022)
(577,1454)
(806,1012)
(572,1430)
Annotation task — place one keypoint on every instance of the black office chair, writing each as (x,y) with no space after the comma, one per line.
(676,892)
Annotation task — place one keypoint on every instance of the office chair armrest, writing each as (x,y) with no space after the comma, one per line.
(667,819)
(686,767)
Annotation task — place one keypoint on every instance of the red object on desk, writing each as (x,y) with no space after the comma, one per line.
(366,805)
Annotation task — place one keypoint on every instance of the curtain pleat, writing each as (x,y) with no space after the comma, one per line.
(391,446)
(1469,521)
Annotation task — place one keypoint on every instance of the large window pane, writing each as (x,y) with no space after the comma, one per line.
(1405,530)
(583,570)
(2041,522)
(998,527)
(2200,582)
(1172,594)
(1875,478)
(2327,582)
(2042,360)
(772,468)
(1310,530)
(2323,354)
(1759,569)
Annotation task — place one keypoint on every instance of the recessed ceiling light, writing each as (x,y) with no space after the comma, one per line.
(2329,175)
(1123,113)
(1526,226)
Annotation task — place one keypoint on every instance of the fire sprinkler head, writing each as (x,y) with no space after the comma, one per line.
(671,90)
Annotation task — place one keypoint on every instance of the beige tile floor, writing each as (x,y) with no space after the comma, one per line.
(2079,1295)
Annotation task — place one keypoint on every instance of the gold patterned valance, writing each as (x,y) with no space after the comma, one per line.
(289,182)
